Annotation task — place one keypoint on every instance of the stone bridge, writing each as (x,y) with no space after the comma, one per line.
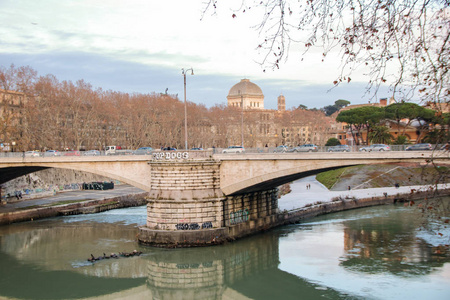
(198,198)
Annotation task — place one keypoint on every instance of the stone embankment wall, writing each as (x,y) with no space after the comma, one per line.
(298,215)
(47,182)
(86,207)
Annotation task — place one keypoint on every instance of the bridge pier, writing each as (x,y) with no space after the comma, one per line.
(187,208)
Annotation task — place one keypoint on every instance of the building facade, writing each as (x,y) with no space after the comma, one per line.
(270,128)
(11,118)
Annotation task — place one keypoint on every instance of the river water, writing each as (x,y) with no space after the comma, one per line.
(372,253)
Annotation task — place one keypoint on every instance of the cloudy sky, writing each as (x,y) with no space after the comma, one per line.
(142,45)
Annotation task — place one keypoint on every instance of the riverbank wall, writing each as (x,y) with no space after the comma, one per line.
(84,207)
(341,204)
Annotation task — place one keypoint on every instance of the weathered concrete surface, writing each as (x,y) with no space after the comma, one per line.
(85,207)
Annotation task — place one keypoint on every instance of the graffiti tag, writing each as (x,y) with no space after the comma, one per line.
(170,155)
(193,226)
(207,225)
(239,216)
(186,226)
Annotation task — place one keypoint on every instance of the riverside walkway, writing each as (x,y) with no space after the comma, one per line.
(75,195)
(300,196)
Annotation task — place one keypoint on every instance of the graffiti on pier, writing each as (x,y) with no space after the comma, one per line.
(207,225)
(193,226)
(186,226)
(239,216)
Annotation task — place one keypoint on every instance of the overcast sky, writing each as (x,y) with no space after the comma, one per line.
(142,45)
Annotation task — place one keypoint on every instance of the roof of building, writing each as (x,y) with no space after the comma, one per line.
(245,88)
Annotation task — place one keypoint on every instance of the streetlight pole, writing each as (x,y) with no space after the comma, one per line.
(183,72)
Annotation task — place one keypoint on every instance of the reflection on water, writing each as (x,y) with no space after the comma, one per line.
(366,253)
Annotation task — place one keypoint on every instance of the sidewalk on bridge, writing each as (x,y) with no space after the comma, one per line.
(301,196)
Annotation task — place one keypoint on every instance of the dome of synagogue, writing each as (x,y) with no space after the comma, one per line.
(245,88)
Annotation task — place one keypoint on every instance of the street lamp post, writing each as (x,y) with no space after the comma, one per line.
(183,72)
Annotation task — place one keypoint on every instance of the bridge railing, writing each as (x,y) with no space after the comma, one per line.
(191,153)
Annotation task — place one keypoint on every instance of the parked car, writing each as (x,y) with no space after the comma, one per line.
(339,148)
(419,147)
(375,147)
(234,149)
(305,148)
(169,149)
(197,149)
(72,153)
(32,154)
(92,153)
(143,151)
(52,153)
(281,149)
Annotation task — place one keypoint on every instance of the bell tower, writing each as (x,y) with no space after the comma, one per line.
(281,103)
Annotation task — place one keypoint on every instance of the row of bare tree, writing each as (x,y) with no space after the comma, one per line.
(66,115)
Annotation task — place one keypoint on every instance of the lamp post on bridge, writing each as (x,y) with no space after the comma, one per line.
(242,118)
(183,72)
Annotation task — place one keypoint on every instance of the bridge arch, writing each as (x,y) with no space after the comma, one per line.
(271,171)
(133,171)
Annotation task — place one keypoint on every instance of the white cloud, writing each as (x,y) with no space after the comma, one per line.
(158,36)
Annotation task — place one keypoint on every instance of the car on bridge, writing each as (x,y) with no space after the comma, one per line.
(92,153)
(32,154)
(72,153)
(234,149)
(375,147)
(143,151)
(420,147)
(281,149)
(52,153)
(305,148)
(339,148)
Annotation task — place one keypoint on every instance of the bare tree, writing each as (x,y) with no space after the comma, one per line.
(19,79)
(403,43)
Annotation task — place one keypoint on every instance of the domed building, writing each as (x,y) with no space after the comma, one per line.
(246,93)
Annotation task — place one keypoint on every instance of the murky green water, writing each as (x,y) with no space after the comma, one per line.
(373,253)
